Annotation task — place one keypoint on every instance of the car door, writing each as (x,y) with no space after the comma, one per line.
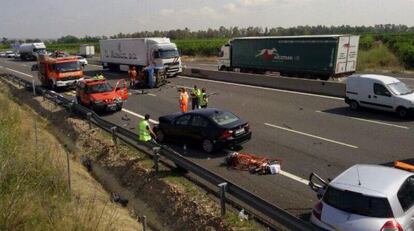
(199,128)
(121,89)
(80,92)
(182,127)
(382,98)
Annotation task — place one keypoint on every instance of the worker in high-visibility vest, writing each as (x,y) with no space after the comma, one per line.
(132,73)
(195,95)
(100,76)
(144,130)
(203,98)
(183,101)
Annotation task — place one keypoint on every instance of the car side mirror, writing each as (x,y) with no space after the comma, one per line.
(35,67)
(387,94)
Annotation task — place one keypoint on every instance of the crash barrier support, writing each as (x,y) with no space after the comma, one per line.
(223,187)
(259,204)
(156,158)
(319,87)
(114,137)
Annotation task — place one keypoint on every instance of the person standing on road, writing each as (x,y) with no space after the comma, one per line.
(183,100)
(195,96)
(203,98)
(144,130)
(132,72)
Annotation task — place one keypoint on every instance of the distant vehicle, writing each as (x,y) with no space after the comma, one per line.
(58,72)
(31,51)
(86,50)
(379,92)
(120,54)
(213,128)
(82,60)
(10,54)
(315,56)
(366,198)
(99,95)
(3,54)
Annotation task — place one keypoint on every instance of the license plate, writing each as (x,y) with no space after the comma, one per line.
(112,106)
(239,131)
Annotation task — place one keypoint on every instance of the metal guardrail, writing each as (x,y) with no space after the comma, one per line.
(261,205)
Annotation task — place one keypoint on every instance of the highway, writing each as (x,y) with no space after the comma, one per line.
(310,133)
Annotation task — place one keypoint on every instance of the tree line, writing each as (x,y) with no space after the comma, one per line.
(230,32)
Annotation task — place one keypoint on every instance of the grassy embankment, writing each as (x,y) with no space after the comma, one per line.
(33,181)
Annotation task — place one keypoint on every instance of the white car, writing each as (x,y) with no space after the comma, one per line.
(3,54)
(82,60)
(366,198)
(379,92)
(10,54)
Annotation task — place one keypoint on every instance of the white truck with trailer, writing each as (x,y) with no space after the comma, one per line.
(87,50)
(121,54)
(31,51)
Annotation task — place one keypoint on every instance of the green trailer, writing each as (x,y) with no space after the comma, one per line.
(302,56)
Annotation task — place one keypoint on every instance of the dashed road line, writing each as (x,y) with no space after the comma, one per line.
(139,116)
(150,94)
(367,120)
(294,177)
(263,88)
(19,72)
(310,135)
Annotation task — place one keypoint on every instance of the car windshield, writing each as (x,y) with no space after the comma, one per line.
(400,88)
(69,66)
(223,117)
(358,203)
(99,88)
(166,54)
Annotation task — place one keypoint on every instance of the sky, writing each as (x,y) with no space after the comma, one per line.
(56,18)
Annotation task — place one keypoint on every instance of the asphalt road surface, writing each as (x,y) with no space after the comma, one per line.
(310,133)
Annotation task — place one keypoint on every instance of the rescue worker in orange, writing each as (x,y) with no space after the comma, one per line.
(132,72)
(183,100)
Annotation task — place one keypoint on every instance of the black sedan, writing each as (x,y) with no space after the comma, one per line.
(213,128)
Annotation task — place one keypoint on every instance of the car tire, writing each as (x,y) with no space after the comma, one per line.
(207,145)
(160,136)
(402,112)
(354,105)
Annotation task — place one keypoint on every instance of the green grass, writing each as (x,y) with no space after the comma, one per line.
(378,57)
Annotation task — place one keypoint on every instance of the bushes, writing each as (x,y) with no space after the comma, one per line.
(378,57)
(200,47)
(366,41)
(402,45)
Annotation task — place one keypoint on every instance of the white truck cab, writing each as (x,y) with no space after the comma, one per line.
(224,58)
(379,92)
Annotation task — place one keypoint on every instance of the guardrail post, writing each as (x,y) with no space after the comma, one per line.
(114,138)
(34,87)
(156,159)
(223,188)
(144,222)
(88,117)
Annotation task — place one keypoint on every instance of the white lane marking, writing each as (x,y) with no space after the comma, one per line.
(201,64)
(263,88)
(310,135)
(94,65)
(150,94)
(139,116)
(24,65)
(20,72)
(293,177)
(366,120)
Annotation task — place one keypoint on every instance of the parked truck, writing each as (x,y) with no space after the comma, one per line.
(86,50)
(58,72)
(31,51)
(316,56)
(121,54)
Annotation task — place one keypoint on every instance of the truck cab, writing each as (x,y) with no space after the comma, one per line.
(59,72)
(167,56)
(379,92)
(224,58)
(99,95)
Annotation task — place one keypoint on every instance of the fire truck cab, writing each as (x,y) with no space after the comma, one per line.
(59,72)
(99,95)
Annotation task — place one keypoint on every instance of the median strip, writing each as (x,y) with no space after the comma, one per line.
(310,135)
(367,120)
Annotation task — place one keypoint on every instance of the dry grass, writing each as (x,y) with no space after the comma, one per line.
(378,58)
(33,181)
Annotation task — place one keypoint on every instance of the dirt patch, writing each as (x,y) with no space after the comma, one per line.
(176,206)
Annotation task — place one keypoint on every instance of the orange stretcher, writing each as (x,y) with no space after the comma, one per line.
(250,162)
(403,166)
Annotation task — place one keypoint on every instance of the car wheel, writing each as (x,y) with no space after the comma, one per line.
(402,112)
(160,136)
(354,105)
(207,146)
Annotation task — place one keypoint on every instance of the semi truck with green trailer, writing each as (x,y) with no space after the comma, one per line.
(315,56)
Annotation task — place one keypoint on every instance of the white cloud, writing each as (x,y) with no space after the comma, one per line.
(232,7)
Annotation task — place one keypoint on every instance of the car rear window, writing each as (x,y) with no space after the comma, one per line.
(358,203)
(406,194)
(223,117)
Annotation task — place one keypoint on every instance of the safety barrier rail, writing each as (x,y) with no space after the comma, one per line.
(257,203)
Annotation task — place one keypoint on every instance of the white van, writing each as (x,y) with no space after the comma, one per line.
(379,92)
